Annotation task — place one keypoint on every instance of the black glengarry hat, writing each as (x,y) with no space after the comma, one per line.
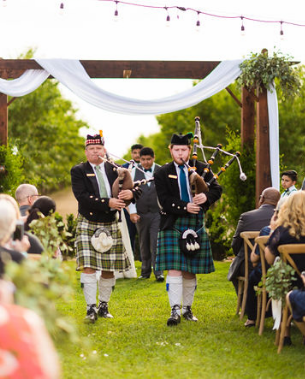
(180,139)
(96,139)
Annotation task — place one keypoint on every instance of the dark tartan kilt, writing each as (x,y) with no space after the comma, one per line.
(169,256)
(115,259)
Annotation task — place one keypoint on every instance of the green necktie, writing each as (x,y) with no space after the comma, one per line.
(102,187)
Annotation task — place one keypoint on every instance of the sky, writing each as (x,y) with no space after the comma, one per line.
(87,29)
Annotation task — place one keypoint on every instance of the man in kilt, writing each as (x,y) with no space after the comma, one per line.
(92,186)
(182,211)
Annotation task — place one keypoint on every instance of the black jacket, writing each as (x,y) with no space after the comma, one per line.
(86,191)
(168,193)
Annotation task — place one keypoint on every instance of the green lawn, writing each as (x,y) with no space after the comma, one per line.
(138,344)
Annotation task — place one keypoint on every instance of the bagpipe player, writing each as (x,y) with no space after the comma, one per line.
(183,247)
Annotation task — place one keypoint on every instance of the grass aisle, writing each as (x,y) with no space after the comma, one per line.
(138,344)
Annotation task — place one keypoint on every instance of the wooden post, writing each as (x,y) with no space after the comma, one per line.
(247,118)
(3,119)
(263,172)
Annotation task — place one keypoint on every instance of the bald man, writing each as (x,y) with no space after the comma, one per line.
(253,220)
(25,195)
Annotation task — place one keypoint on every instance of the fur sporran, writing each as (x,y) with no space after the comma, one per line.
(189,243)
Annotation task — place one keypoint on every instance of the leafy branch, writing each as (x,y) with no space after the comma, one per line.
(260,71)
(279,280)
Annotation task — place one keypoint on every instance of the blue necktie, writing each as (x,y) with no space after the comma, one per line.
(183,186)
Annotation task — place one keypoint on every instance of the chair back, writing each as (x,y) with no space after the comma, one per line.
(261,242)
(248,237)
(291,249)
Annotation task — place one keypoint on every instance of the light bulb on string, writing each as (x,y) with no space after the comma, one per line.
(61,8)
(198,23)
(167,17)
(116,12)
(242,28)
(281,31)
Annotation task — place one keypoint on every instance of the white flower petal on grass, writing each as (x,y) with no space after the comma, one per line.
(106,355)
(178,344)
(94,352)
(82,355)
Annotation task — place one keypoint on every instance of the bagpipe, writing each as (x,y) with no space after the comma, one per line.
(124,180)
(198,184)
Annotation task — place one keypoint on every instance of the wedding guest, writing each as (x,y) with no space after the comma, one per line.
(25,195)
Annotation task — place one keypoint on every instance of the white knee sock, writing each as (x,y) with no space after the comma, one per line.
(89,283)
(174,290)
(105,286)
(189,287)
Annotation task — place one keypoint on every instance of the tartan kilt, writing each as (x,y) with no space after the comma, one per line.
(169,256)
(115,259)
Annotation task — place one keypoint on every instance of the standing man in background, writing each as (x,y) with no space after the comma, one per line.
(145,214)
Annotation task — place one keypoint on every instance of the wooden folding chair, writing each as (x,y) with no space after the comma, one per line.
(286,251)
(243,280)
(262,297)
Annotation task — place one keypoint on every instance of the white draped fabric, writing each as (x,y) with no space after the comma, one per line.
(25,84)
(73,75)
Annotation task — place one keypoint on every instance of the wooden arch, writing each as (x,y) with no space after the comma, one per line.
(14,68)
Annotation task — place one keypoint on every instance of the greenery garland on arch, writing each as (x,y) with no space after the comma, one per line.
(260,71)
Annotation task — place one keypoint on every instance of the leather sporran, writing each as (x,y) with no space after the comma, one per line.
(189,243)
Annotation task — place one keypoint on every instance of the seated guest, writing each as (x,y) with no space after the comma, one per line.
(290,230)
(253,220)
(44,205)
(35,245)
(26,349)
(25,195)
(256,275)
(7,227)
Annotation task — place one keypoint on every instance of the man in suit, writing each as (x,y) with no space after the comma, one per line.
(145,214)
(253,220)
(92,186)
(182,210)
(135,157)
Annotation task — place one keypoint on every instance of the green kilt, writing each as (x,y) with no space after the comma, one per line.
(169,256)
(115,259)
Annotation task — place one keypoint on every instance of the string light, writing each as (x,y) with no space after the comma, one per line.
(61,8)
(242,28)
(4,3)
(281,31)
(198,22)
(167,17)
(184,9)
(116,12)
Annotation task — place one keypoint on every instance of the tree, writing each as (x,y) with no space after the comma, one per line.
(45,131)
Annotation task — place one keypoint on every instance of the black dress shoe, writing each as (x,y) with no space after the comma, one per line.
(287,341)
(188,314)
(91,315)
(174,317)
(143,277)
(103,310)
(160,278)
